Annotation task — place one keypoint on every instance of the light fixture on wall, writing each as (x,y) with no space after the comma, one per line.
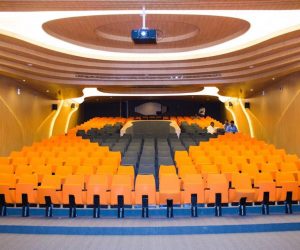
(18,91)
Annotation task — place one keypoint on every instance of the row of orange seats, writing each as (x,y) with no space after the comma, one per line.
(170,188)
(98,122)
(202,122)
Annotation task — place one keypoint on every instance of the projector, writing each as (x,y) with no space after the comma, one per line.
(144,36)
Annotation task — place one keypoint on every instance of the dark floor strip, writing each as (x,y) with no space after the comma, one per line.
(181,230)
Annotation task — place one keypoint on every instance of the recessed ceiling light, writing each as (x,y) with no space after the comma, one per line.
(273,78)
(251,67)
(24,80)
(47,90)
(251,90)
(29,64)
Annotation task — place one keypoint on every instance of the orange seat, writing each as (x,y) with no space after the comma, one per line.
(259,160)
(193,184)
(86,171)
(216,183)
(117,155)
(63,172)
(180,154)
(239,161)
(241,187)
(228,170)
(5,160)
(274,159)
(263,182)
(27,184)
(250,169)
(37,161)
(6,169)
(127,170)
(55,162)
(182,171)
(51,186)
(7,187)
(19,161)
(169,188)
(42,170)
(286,182)
(98,185)
(121,185)
(145,185)
(74,185)
(289,167)
(209,169)
(271,168)
(166,169)
(219,160)
(75,162)
(113,162)
(109,171)
(92,161)
(23,169)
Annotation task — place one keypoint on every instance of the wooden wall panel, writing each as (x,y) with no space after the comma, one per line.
(60,124)
(276,115)
(24,118)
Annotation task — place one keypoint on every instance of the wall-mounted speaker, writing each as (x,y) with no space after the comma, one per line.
(72,105)
(247,105)
(54,106)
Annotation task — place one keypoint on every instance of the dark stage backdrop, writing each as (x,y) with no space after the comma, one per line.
(117,108)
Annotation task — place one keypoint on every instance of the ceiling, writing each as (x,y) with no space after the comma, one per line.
(63,73)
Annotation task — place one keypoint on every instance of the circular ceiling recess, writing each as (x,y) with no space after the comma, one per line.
(176,33)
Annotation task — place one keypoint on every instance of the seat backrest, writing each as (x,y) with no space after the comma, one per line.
(124,170)
(41,169)
(180,154)
(283,177)
(7,179)
(288,166)
(241,181)
(229,168)
(81,170)
(52,181)
(98,179)
(167,169)
(5,160)
(169,182)
(63,170)
(216,179)
(28,179)
(23,169)
(6,169)
(192,178)
(75,180)
(121,180)
(263,177)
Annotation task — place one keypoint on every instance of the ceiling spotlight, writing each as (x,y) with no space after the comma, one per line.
(176,77)
(24,80)
(47,90)
(29,64)
(251,67)
(273,78)
(251,90)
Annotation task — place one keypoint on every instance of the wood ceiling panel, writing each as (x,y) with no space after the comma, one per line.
(43,5)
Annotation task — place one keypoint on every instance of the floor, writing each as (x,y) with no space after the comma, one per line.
(208,240)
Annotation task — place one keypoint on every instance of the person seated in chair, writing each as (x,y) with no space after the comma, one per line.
(226,124)
(231,128)
(211,129)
